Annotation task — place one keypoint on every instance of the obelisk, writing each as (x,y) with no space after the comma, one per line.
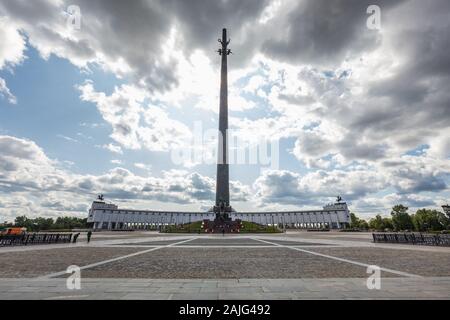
(222,185)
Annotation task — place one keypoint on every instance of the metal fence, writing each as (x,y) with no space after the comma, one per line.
(426,239)
(34,238)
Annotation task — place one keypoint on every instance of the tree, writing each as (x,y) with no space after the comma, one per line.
(387,223)
(23,222)
(364,225)
(426,219)
(42,224)
(69,223)
(401,219)
(357,223)
(380,224)
(376,223)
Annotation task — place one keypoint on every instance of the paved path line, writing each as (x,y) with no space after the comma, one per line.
(228,246)
(197,246)
(354,243)
(96,264)
(67,297)
(405,274)
(92,244)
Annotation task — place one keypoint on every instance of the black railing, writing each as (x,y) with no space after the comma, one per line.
(426,239)
(34,238)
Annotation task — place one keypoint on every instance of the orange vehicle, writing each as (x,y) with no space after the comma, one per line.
(14,231)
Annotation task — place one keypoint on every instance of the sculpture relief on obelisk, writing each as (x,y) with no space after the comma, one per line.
(222,183)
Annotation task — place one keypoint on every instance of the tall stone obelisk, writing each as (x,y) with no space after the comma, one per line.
(222,184)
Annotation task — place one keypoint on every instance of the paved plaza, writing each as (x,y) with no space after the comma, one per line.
(293,265)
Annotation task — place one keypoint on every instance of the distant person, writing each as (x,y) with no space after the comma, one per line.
(75,237)
(223,232)
(89,235)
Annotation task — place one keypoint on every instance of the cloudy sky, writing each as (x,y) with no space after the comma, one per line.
(99,104)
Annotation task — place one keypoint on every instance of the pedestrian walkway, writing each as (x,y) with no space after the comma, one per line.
(226,289)
(252,266)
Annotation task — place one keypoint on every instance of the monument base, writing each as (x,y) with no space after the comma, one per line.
(222,224)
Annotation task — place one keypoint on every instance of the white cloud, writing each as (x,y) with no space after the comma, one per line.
(135,123)
(356,102)
(143,166)
(361,185)
(6,93)
(370,206)
(285,187)
(12,46)
(33,184)
(113,148)
(67,138)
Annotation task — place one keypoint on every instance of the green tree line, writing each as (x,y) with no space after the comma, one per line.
(42,224)
(401,220)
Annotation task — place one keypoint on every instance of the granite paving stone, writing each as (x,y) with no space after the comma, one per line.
(416,262)
(205,268)
(38,263)
(226,263)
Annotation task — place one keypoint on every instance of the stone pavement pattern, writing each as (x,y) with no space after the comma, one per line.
(231,289)
(226,263)
(295,265)
(36,263)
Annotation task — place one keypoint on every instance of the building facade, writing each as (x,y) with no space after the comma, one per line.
(107,216)
(446,209)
